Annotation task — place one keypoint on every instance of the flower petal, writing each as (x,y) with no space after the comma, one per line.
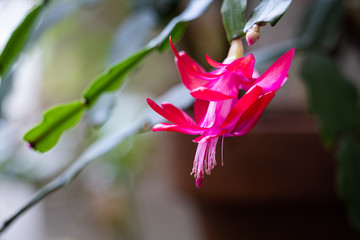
(210,116)
(222,109)
(171,113)
(243,66)
(192,130)
(191,62)
(226,87)
(213,132)
(214,63)
(191,77)
(276,75)
(228,84)
(240,107)
(200,109)
(206,94)
(252,114)
(191,73)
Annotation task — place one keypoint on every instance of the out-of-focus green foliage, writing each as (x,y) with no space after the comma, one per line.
(194,10)
(322,26)
(268,11)
(331,96)
(233,14)
(18,39)
(111,79)
(349,177)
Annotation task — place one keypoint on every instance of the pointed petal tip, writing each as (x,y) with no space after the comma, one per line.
(157,128)
(290,52)
(173,48)
(152,104)
(214,63)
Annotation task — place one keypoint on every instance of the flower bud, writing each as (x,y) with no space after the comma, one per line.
(253,34)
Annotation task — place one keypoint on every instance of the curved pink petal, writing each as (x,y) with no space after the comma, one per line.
(256,74)
(192,130)
(240,107)
(171,113)
(226,87)
(178,116)
(191,62)
(214,63)
(211,133)
(252,115)
(204,93)
(191,66)
(210,115)
(200,109)
(191,73)
(189,77)
(227,84)
(216,113)
(243,66)
(276,75)
(222,110)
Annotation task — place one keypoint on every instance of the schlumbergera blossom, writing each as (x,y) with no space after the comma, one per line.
(217,109)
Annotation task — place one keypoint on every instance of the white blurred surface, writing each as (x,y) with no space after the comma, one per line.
(13,194)
(11,14)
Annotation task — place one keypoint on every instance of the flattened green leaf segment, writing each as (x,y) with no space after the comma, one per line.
(114,77)
(268,11)
(56,120)
(233,15)
(336,107)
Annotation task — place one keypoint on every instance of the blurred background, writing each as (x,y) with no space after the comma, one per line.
(277,182)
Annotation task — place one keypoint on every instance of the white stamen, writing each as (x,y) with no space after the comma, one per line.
(205,157)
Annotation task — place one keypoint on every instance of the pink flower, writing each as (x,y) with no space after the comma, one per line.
(225,81)
(232,117)
(217,109)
